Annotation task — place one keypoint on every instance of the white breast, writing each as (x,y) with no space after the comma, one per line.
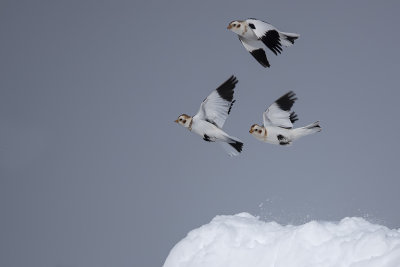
(248,33)
(201,127)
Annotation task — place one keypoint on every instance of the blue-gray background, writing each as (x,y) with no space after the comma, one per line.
(93,171)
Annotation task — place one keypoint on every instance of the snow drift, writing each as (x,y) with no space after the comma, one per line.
(244,241)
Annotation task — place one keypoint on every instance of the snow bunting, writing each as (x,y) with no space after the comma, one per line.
(253,33)
(278,123)
(211,117)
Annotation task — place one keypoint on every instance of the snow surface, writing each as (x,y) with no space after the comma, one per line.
(243,240)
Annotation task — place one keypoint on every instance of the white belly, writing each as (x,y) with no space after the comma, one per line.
(202,128)
(274,132)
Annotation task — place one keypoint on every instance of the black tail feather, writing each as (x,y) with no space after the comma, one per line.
(291,38)
(314,125)
(237,145)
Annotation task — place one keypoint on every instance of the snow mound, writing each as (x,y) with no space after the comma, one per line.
(243,240)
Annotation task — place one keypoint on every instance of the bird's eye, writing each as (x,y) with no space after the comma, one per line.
(180,119)
(234,25)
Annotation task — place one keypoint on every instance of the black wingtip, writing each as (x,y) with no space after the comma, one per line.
(238,146)
(230,107)
(233,80)
(293,117)
(286,101)
(261,57)
(226,89)
(272,40)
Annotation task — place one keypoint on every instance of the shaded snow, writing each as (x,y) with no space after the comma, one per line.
(243,240)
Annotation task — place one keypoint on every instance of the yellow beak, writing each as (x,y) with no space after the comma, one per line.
(251,131)
(229,27)
(176,120)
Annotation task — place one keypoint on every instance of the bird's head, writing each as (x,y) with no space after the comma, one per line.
(184,120)
(257,131)
(237,26)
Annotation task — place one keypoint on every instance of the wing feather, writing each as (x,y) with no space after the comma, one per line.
(256,49)
(267,33)
(217,106)
(278,114)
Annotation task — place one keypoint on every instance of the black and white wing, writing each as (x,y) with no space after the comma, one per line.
(270,36)
(278,114)
(256,49)
(217,106)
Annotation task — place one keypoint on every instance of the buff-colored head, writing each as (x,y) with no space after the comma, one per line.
(258,131)
(237,26)
(184,120)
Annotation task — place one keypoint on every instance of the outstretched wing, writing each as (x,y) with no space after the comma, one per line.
(217,106)
(278,114)
(267,33)
(256,49)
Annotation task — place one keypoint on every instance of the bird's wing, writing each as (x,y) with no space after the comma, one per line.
(267,33)
(278,114)
(217,106)
(256,49)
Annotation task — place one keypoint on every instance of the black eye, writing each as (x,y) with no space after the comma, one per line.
(180,119)
(234,25)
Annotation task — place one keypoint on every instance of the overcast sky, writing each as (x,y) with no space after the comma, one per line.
(93,170)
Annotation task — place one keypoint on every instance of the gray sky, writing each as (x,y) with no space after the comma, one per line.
(93,171)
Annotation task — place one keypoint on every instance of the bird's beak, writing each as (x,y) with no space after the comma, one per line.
(251,131)
(176,120)
(229,27)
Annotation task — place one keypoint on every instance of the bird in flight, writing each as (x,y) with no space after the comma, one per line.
(278,123)
(254,34)
(210,119)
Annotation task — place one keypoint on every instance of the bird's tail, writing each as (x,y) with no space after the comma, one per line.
(287,38)
(232,146)
(306,130)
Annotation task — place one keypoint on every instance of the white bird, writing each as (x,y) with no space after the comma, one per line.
(278,123)
(211,117)
(254,33)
